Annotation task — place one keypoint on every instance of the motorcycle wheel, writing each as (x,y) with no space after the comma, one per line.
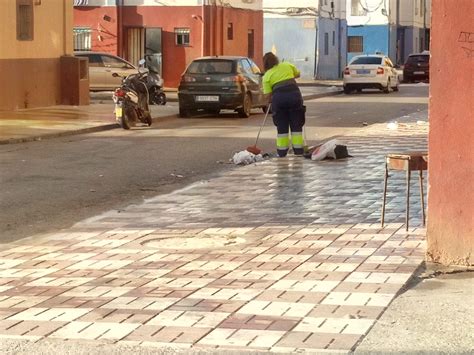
(129,115)
(148,120)
(157,97)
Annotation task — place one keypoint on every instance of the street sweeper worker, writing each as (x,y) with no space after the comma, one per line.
(287,103)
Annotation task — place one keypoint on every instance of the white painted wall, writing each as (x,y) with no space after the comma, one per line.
(412,13)
(374,16)
(309,8)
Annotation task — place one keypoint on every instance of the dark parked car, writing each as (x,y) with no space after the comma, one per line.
(417,67)
(215,83)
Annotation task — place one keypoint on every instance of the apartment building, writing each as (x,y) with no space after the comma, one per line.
(34,35)
(309,33)
(177,31)
(396,28)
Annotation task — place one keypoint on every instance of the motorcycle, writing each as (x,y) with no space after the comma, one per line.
(154,81)
(131,100)
(155,88)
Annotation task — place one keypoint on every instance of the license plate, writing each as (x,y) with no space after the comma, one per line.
(118,112)
(363,71)
(202,98)
(419,72)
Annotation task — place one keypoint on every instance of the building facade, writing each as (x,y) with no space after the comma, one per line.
(450,230)
(33,37)
(413,35)
(177,31)
(309,33)
(396,28)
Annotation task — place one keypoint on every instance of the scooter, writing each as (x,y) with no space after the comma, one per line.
(154,80)
(131,100)
(154,84)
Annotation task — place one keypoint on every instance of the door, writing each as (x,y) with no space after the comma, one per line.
(153,50)
(117,65)
(252,80)
(135,44)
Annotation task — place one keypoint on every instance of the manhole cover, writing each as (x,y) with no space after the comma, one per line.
(194,242)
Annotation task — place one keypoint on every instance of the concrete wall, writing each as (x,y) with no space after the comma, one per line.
(31,67)
(375,39)
(330,66)
(291,41)
(376,17)
(450,233)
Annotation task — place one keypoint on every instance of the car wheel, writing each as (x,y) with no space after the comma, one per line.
(265,108)
(246,108)
(347,91)
(183,113)
(386,90)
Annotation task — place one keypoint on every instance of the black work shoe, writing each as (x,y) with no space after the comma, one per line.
(298,151)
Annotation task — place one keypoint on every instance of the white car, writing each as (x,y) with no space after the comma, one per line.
(372,71)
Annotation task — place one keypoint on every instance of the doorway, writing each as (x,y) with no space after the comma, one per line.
(145,41)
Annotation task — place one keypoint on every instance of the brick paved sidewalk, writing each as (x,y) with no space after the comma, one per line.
(285,255)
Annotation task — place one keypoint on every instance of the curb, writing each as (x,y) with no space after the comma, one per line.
(111,126)
(60,134)
(325,94)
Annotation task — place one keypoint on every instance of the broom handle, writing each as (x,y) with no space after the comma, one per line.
(263,124)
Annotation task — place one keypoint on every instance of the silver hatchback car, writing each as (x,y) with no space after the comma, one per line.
(101,67)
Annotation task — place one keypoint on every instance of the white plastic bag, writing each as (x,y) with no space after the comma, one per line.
(326,150)
(245,157)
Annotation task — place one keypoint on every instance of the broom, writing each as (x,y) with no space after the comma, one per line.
(253,148)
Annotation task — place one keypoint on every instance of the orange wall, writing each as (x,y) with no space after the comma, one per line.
(176,58)
(93,17)
(451,140)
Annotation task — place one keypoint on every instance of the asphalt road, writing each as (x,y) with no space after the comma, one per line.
(51,184)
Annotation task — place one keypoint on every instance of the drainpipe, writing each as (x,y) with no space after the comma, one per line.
(119,10)
(424,26)
(339,57)
(316,47)
(203,28)
(399,43)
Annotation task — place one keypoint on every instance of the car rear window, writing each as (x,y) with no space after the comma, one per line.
(367,60)
(211,67)
(418,59)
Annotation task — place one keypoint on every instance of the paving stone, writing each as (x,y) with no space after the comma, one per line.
(312,270)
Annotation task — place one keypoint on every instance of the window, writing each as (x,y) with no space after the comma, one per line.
(245,65)
(112,62)
(255,68)
(82,38)
(95,60)
(355,44)
(230,31)
(367,60)
(326,43)
(333,38)
(211,67)
(24,20)
(182,36)
(357,9)
(251,44)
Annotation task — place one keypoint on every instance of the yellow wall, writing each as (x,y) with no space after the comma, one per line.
(53,25)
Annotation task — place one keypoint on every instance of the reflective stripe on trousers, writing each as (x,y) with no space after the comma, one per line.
(283,142)
(297,140)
